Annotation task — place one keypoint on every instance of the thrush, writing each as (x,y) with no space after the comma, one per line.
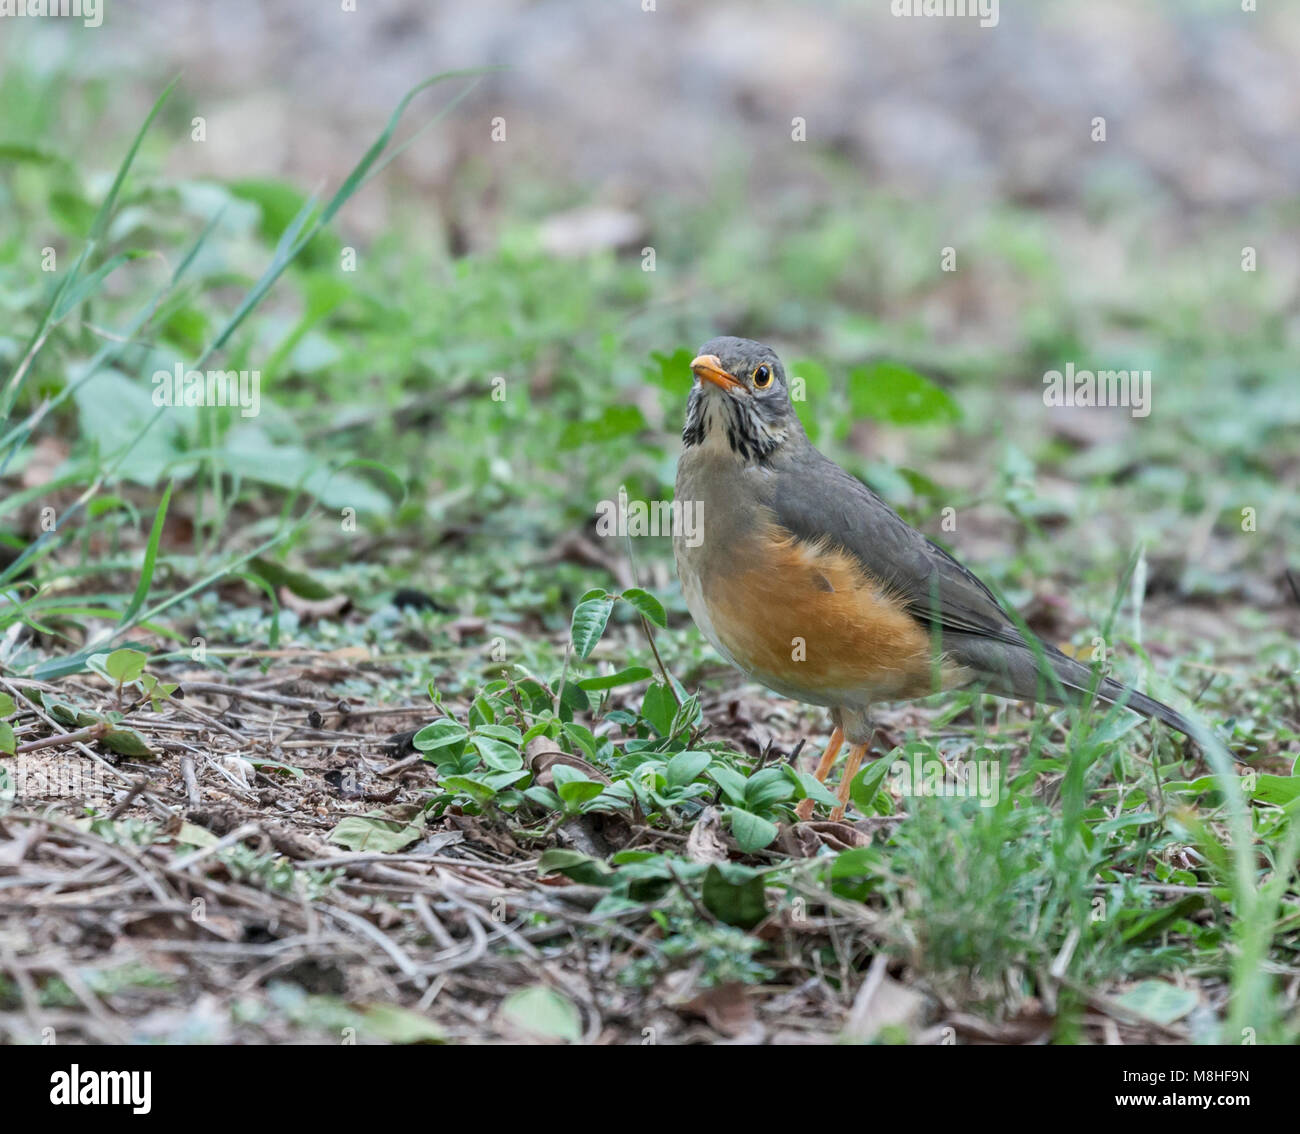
(810,584)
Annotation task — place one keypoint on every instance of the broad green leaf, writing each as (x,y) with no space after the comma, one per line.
(730,781)
(476,789)
(440,734)
(125,665)
(889,391)
(867,782)
(647,604)
(498,754)
(300,584)
(685,767)
(377,832)
(735,895)
(659,708)
(573,864)
(573,699)
(589,620)
(1274,789)
(766,787)
(394,1024)
(126,742)
(544,1013)
(575,794)
(1159,1000)
(752,832)
(815,789)
(628,676)
(613,422)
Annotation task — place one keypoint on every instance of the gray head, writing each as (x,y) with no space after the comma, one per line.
(740,399)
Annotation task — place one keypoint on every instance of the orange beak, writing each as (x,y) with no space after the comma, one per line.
(709,368)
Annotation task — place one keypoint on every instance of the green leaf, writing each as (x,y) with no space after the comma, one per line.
(685,767)
(614,421)
(87,285)
(498,754)
(576,794)
(476,789)
(543,1012)
(855,873)
(1159,1000)
(125,665)
(659,708)
(126,742)
(888,391)
(647,604)
(377,832)
(752,832)
(769,786)
(34,155)
(573,699)
(730,781)
(573,864)
(813,788)
(8,708)
(394,1024)
(867,782)
(629,676)
(589,620)
(8,742)
(442,733)
(278,575)
(573,787)
(735,895)
(671,371)
(544,797)
(1269,788)
(280,204)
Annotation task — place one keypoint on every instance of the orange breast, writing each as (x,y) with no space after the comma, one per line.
(808,617)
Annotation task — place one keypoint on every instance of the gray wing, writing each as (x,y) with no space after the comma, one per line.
(828,503)
(825,502)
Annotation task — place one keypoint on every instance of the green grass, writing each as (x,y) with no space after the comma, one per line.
(446,423)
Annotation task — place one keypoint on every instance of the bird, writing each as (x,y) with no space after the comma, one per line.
(806,581)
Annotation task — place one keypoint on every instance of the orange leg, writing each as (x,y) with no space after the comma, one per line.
(805,808)
(851,766)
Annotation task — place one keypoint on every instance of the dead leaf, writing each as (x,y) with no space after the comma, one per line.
(883,1002)
(706,842)
(727,1009)
(542,758)
(310,609)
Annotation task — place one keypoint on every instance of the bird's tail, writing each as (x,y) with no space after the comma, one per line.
(1078,680)
(1017,671)
(1113,693)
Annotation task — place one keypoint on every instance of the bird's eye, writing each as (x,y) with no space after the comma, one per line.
(762,377)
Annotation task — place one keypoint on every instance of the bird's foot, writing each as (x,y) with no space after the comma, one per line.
(805,809)
(851,766)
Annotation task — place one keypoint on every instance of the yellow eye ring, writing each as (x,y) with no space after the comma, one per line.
(762,377)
